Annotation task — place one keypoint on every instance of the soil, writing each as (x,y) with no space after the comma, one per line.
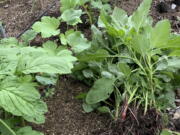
(65,116)
(136,123)
(16,15)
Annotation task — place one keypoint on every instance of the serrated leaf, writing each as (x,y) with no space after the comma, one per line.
(67,4)
(77,41)
(21,98)
(72,16)
(48,26)
(48,60)
(100,91)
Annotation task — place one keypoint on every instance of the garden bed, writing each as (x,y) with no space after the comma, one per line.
(65,115)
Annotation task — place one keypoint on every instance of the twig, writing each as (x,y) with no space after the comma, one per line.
(38,18)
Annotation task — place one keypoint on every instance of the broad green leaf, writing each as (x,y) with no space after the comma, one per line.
(48,59)
(119,18)
(104,109)
(160,34)
(77,41)
(114,69)
(99,55)
(7,66)
(28,131)
(100,5)
(68,4)
(63,39)
(21,98)
(48,79)
(5,129)
(172,63)
(175,53)
(89,108)
(9,42)
(28,35)
(72,16)
(141,44)
(174,42)
(48,26)
(166,132)
(107,74)
(9,60)
(124,68)
(88,73)
(105,21)
(139,17)
(100,91)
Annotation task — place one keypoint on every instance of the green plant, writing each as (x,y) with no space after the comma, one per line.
(18,65)
(169,132)
(130,62)
(71,10)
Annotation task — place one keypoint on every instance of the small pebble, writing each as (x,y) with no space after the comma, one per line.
(177,114)
(173,6)
(6,6)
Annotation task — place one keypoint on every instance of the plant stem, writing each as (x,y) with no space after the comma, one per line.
(89,14)
(117,102)
(23,122)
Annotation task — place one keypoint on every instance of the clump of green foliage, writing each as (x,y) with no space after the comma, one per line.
(21,67)
(130,61)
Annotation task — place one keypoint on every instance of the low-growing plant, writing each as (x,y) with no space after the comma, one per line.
(130,61)
(72,10)
(19,97)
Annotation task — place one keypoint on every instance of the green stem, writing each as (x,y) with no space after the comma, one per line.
(151,83)
(23,122)
(117,102)
(89,14)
